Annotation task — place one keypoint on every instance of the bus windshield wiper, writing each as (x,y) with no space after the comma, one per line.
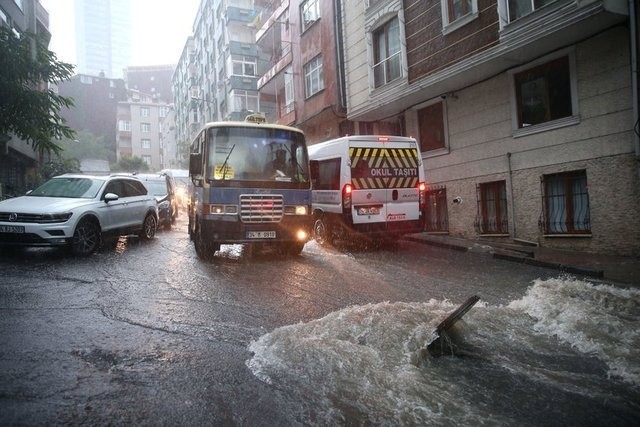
(225,164)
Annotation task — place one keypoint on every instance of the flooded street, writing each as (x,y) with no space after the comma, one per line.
(145,333)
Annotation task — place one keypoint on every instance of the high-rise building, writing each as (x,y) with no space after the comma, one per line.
(103,35)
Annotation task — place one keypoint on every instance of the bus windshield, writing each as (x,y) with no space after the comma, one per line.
(256,154)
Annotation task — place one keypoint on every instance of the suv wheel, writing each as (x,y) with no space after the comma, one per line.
(86,238)
(149,227)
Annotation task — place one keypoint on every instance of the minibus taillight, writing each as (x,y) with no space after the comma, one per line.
(422,190)
(346,198)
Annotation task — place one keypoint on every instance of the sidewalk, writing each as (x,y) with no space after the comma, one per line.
(621,269)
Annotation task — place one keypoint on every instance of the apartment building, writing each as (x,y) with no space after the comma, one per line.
(525,112)
(95,106)
(154,80)
(140,122)
(18,160)
(216,76)
(300,67)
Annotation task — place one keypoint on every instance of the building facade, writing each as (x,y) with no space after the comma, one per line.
(18,160)
(300,67)
(103,37)
(95,106)
(215,78)
(154,80)
(524,110)
(140,121)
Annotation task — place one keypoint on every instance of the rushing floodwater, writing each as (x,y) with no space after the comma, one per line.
(567,353)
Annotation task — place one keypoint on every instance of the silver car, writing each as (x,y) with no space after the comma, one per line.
(77,211)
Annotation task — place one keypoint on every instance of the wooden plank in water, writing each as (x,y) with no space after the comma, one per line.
(457,314)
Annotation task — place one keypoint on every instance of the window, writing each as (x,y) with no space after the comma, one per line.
(386,53)
(144,111)
(566,203)
(492,208)
(124,125)
(325,174)
(164,111)
(245,100)
(520,8)
(288,90)
(310,11)
(544,93)
(146,143)
(145,127)
(437,217)
(86,79)
(456,13)
(146,159)
(243,66)
(313,77)
(432,127)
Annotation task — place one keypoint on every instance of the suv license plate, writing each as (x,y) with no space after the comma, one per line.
(261,234)
(11,229)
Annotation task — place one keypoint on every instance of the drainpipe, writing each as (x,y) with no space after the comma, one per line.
(512,215)
(633,35)
(339,40)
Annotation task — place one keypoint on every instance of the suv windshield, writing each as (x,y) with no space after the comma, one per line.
(256,154)
(69,187)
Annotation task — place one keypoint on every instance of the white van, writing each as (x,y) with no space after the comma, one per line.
(367,184)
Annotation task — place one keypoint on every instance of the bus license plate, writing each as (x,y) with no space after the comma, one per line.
(11,229)
(261,234)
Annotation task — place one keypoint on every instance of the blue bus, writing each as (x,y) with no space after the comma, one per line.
(251,185)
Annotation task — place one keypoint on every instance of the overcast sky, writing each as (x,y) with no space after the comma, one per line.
(160,29)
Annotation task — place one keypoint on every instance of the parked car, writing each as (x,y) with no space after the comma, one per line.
(182,180)
(163,188)
(78,211)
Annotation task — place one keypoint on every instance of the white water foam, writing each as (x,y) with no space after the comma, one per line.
(593,318)
(360,363)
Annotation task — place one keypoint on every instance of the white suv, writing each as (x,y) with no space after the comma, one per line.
(77,210)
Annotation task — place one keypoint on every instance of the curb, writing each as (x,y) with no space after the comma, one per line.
(516,258)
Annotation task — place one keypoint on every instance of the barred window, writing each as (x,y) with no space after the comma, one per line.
(566,203)
(437,217)
(492,208)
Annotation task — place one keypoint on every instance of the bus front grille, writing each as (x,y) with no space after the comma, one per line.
(261,207)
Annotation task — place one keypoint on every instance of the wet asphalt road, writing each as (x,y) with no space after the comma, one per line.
(144,333)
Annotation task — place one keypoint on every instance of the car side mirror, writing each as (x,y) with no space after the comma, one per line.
(110,197)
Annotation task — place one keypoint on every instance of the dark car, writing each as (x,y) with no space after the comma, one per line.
(163,188)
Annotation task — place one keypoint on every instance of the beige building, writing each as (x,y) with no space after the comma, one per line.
(525,113)
(140,122)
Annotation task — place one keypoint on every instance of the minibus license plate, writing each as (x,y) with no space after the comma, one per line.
(261,234)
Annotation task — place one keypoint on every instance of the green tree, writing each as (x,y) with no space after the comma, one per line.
(86,145)
(130,164)
(26,108)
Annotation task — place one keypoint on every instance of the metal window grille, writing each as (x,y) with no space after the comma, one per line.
(492,208)
(565,204)
(437,217)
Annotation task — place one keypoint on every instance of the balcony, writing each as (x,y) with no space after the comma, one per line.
(280,59)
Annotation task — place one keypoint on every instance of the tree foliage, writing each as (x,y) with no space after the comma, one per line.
(86,145)
(28,108)
(130,164)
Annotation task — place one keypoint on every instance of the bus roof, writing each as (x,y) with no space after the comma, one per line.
(250,125)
